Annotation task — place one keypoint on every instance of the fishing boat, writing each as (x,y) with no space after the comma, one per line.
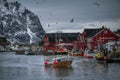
(89,54)
(59,62)
(62,51)
(77,53)
(61,48)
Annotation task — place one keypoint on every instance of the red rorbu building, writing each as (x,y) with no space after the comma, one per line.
(75,39)
(90,38)
(99,36)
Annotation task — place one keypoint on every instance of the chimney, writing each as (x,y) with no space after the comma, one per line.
(103,27)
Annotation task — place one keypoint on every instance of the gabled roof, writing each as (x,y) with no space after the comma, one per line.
(92,32)
(117,32)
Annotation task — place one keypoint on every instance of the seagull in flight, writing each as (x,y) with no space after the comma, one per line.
(97,4)
(72,20)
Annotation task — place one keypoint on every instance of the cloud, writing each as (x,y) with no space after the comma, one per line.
(78,26)
(86,13)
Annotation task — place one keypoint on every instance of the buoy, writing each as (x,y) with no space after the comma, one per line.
(98,55)
(54,62)
(45,62)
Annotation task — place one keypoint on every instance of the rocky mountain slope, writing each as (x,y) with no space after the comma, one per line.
(19,24)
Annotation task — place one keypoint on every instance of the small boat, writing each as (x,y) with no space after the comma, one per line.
(89,54)
(62,51)
(77,53)
(61,48)
(59,62)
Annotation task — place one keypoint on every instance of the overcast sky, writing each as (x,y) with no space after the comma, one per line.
(57,14)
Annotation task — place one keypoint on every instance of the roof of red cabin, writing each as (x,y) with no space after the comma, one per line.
(92,32)
(63,36)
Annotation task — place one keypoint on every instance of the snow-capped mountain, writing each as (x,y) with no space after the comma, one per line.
(19,24)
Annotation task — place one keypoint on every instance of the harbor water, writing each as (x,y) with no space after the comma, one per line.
(31,67)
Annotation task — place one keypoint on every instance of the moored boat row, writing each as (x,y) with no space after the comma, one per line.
(66,61)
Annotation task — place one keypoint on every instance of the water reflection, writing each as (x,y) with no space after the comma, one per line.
(59,73)
(22,67)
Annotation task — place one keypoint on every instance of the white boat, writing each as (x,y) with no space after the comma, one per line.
(77,53)
(89,54)
(65,61)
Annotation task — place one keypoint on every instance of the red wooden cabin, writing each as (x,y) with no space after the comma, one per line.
(99,36)
(76,39)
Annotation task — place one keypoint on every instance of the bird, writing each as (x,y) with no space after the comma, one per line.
(72,20)
(48,25)
(97,4)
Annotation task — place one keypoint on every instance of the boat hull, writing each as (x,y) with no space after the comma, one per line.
(76,54)
(88,56)
(109,60)
(60,64)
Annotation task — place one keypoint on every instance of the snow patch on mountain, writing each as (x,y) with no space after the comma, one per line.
(31,34)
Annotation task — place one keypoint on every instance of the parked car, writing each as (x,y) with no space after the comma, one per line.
(89,54)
